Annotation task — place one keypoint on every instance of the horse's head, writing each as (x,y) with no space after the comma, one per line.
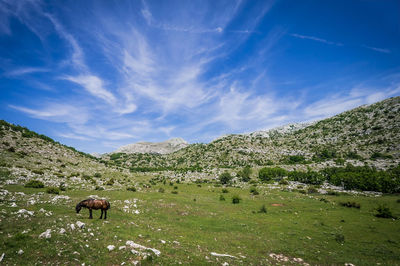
(78,207)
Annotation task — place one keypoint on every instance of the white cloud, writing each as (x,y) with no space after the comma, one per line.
(94,86)
(62,113)
(313,38)
(25,71)
(380,50)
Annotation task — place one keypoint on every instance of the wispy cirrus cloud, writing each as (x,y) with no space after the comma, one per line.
(25,71)
(94,86)
(317,39)
(380,50)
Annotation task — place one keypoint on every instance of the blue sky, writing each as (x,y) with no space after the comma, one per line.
(96,75)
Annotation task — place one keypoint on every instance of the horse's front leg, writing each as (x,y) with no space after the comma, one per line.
(101,216)
(90,216)
(105,214)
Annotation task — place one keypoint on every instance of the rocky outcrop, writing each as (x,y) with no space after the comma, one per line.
(165,147)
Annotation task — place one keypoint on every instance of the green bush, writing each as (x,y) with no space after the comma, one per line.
(339,238)
(254,191)
(35,184)
(161,190)
(221,198)
(99,188)
(364,178)
(350,204)
(263,209)
(267,174)
(312,190)
(236,199)
(384,212)
(283,182)
(224,190)
(52,190)
(110,182)
(225,178)
(133,189)
(174,192)
(295,159)
(244,174)
(97,175)
(62,187)
(310,177)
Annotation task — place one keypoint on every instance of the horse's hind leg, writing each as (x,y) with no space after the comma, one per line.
(105,214)
(101,216)
(90,216)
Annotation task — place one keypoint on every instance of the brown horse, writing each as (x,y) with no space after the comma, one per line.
(93,204)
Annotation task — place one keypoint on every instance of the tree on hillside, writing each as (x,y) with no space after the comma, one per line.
(225,178)
(244,174)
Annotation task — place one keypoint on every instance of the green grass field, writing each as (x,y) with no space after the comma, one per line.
(187,227)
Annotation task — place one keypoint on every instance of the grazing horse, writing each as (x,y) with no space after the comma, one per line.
(93,204)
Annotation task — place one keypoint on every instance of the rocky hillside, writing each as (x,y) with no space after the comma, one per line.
(368,135)
(26,155)
(165,147)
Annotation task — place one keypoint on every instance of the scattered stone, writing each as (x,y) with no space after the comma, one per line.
(137,246)
(13,204)
(20,252)
(58,197)
(110,247)
(2,257)
(122,247)
(25,213)
(222,255)
(72,226)
(62,231)
(283,258)
(225,264)
(163,241)
(80,224)
(46,234)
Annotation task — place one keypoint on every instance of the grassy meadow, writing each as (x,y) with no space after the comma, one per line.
(188,226)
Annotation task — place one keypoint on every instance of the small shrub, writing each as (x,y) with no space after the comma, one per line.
(224,190)
(324,200)
(175,187)
(225,178)
(339,238)
(351,204)
(263,209)
(254,191)
(99,188)
(133,189)
(221,198)
(312,190)
(384,212)
(62,187)
(52,190)
(398,200)
(236,199)
(283,182)
(38,172)
(161,190)
(198,185)
(110,182)
(174,192)
(333,193)
(35,184)
(11,149)
(97,175)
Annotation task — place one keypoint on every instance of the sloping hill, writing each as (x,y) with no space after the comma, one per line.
(26,155)
(365,135)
